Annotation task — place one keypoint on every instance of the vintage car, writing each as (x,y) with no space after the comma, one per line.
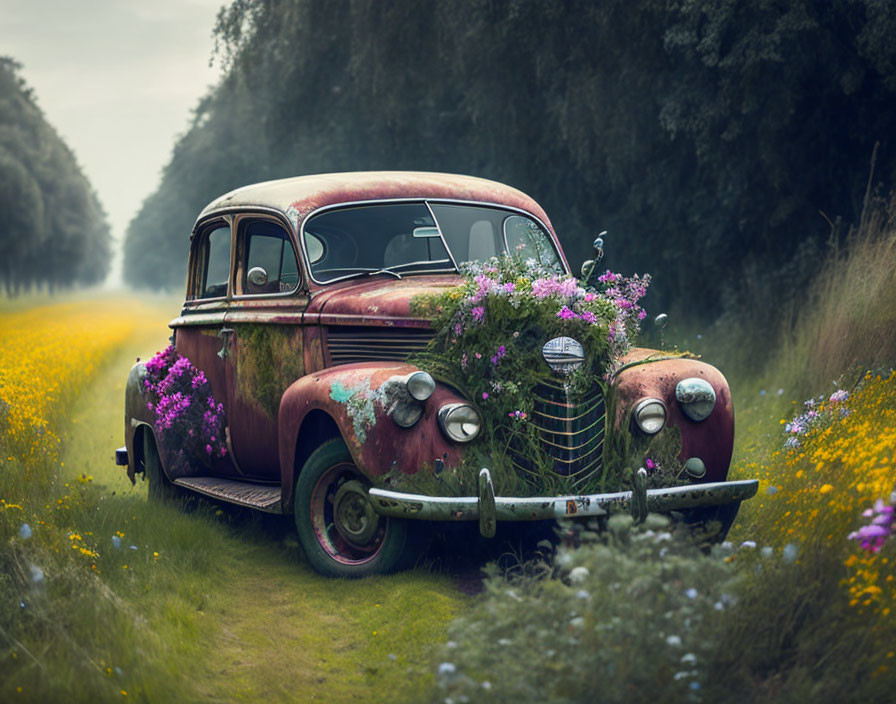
(299,320)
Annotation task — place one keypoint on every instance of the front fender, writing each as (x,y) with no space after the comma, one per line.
(712,440)
(358,398)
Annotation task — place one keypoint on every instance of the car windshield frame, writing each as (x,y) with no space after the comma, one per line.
(453,264)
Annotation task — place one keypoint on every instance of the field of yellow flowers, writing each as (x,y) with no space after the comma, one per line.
(48,354)
(825,474)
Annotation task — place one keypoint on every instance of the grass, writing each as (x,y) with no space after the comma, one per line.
(213,604)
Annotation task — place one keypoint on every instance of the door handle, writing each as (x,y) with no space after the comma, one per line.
(224,333)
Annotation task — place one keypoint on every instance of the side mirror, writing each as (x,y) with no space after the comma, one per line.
(587,268)
(589,265)
(257,276)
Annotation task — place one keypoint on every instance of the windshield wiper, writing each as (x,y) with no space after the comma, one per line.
(386,270)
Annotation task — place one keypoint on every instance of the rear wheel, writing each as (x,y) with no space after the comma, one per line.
(160,488)
(341,534)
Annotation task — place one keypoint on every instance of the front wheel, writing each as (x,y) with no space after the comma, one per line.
(341,534)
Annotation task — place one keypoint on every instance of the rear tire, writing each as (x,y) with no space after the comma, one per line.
(161,490)
(339,532)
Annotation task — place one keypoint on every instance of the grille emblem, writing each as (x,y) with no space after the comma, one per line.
(563,354)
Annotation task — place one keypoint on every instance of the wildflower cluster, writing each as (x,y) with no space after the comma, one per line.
(817,414)
(491,331)
(570,625)
(881,526)
(493,327)
(187,416)
(816,490)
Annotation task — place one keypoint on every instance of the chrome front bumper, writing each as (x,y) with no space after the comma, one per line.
(488,508)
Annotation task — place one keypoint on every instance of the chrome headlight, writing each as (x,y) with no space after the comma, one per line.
(650,415)
(420,385)
(460,421)
(696,397)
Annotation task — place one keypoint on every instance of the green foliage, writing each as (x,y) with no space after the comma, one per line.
(635,613)
(490,333)
(54,231)
(620,619)
(701,134)
(267,362)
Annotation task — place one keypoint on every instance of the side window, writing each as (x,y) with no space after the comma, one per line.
(214,258)
(269,264)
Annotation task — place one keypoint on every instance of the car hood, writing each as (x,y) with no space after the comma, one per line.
(378,300)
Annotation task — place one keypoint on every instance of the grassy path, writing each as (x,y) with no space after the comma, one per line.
(228,609)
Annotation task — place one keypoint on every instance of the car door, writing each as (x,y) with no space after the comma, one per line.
(200,331)
(264,338)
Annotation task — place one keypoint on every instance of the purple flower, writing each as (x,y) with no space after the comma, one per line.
(484,395)
(478,312)
(566,313)
(839,396)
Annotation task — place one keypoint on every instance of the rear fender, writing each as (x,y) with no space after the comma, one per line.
(136,414)
(358,398)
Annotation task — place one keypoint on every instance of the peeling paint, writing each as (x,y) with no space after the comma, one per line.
(362,402)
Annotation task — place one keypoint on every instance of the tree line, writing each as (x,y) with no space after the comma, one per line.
(717,142)
(53,231)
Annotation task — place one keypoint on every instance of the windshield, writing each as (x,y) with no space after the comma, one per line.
(404,238)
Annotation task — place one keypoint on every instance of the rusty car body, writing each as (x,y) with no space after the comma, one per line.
(286,346)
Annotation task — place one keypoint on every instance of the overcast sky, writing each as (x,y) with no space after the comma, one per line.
(118,80)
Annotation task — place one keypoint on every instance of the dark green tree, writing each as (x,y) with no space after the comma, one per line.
(53,231)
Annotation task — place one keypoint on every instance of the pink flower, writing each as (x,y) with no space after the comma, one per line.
(478,312)
(484,395)
(566,313)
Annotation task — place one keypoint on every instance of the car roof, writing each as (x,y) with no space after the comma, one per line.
(297,197)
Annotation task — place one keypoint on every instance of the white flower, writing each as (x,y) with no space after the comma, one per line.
(578,574)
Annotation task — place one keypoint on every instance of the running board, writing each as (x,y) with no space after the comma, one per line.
(264,497)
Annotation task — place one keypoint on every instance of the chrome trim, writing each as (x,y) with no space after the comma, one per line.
(441,235)
(198,319)
(449,408)
(535,508)
(451,201)
(279,219)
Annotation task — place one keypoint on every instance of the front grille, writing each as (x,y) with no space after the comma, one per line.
(347,344)
(571,428)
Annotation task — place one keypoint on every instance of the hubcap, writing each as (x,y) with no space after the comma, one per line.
(353,515)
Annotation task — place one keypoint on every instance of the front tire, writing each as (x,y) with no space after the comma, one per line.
(340,533)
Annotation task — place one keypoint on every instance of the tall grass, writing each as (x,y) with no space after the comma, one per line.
(846,322)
